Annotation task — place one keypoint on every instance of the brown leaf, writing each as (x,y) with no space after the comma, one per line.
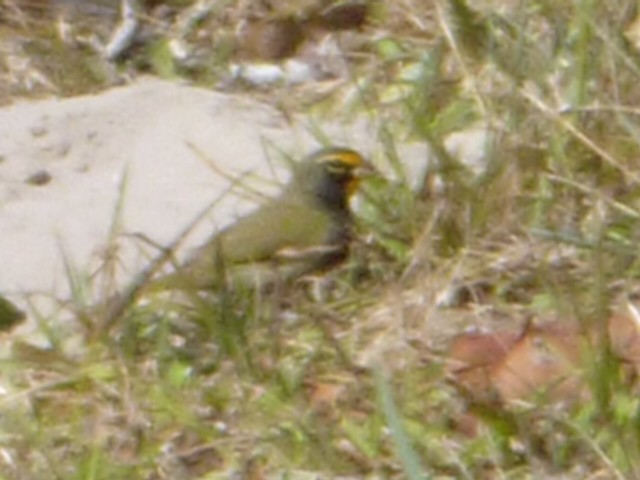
(324,394)
(545,359)
(349,15)
(472,355)
(624,335)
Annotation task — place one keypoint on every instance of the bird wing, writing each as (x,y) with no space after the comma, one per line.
(283,225)
(271,234)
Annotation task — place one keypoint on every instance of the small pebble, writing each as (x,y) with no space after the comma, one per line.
(39,178)
(39,130)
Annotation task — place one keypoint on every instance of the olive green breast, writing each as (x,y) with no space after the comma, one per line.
(287,236)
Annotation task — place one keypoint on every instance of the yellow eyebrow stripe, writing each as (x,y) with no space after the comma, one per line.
(349,158)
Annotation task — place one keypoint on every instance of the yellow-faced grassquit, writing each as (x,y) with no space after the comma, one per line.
(307,228)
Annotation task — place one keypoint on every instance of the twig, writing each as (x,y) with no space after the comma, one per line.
(124,34)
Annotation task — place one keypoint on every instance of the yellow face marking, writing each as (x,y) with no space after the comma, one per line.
(345,163)
(350,158)
(346,157)
(352,187)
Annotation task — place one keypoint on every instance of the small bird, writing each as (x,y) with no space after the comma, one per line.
(306,229)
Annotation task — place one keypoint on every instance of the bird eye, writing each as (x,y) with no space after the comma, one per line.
(337,167)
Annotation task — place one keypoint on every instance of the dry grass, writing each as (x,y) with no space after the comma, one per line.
(354,385)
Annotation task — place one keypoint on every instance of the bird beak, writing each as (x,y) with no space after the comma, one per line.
(365,170)
(361,172)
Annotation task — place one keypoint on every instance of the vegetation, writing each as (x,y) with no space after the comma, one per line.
(351,380)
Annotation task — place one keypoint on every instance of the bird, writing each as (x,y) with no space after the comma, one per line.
(307,228)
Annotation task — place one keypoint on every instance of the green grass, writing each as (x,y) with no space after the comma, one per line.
(353,385)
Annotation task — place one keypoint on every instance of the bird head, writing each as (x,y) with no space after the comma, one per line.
(331,175)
